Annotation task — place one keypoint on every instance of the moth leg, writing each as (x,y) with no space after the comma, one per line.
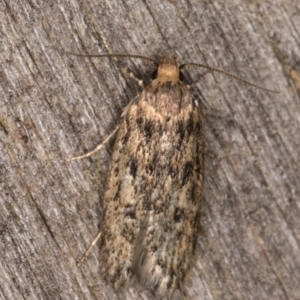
(195,82)
(126,71)
(87,252)
(96,149)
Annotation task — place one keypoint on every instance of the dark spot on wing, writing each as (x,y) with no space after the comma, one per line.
(133,165)
(178,215)
(186,172)
(129,211)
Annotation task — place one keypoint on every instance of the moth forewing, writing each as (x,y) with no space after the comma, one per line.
(153,193)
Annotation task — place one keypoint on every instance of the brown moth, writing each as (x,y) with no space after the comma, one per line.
(153,194)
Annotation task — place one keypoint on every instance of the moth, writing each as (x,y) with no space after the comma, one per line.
(152,201)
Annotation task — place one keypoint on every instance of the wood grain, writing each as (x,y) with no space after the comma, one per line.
(54,106)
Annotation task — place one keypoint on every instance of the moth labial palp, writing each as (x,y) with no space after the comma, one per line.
(154,187)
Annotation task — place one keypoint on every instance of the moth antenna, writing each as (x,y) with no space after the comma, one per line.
(116,55)
(186,65)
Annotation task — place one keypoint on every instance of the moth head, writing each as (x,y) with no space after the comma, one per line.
(167,71)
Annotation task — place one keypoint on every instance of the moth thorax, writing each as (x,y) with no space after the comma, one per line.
(168,73)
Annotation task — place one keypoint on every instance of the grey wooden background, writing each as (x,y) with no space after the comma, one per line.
(54,106)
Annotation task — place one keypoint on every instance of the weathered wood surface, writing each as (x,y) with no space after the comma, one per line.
(53,106)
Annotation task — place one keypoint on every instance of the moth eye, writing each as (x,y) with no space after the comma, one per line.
(154,75)
(181,77)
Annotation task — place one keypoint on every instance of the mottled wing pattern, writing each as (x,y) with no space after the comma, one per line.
(153,195)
